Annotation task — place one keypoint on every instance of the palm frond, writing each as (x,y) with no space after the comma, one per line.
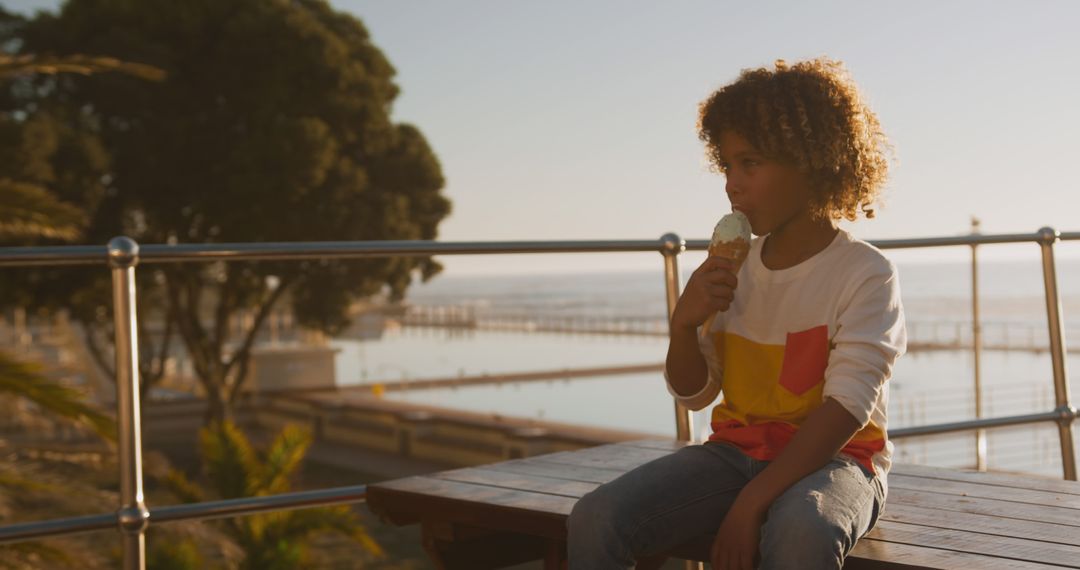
(300,524)
(342,519)
(30,211)
(25,379)
(31,64)
(285,455)
(230,459)
(181,487)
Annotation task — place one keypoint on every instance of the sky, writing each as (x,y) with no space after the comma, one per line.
(564,120)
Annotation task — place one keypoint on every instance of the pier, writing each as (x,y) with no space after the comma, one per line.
(482,379)
(926,335)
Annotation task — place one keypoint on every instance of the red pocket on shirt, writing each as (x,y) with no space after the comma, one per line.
(806,354)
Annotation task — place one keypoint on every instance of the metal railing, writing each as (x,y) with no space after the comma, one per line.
(122,255)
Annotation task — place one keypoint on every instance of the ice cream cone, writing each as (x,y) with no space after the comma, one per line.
(730,240)
(735,250)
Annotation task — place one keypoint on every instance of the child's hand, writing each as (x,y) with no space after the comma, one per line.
(736,544)
(711,288)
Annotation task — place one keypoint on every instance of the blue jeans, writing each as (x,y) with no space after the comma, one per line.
(683,497)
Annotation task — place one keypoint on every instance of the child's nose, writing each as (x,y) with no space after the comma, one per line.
(733,193)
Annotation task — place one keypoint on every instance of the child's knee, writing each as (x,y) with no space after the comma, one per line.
(596,511)
(798,535)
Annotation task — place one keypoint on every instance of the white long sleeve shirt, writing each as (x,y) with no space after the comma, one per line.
(830,326)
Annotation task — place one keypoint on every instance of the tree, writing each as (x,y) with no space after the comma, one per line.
(272,124)
(234,469)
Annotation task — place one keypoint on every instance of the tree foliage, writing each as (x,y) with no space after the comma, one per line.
(271,123)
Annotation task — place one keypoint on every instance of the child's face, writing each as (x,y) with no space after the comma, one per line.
(770,192)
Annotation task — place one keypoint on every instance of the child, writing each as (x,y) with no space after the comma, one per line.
(803,343)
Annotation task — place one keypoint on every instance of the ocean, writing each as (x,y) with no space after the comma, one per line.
(926,386)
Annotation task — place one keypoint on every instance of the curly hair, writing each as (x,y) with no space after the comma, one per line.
(809,114)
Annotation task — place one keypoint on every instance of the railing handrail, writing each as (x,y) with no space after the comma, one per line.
(122,255)
(189,511)
(172,253)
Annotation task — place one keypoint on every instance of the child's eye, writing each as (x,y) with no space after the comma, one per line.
(745,163)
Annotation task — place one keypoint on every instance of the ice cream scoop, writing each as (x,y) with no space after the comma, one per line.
(731,238)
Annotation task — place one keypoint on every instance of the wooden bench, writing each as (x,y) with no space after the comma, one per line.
(496,515)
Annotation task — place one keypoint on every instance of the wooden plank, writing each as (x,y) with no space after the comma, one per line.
(989,478)
(976,543)
(972,489)
(426,486)
(869,554)
(882,555)
(414,499)
(582,473)
(518,481)
(612,456)
(981,506)
(985,524)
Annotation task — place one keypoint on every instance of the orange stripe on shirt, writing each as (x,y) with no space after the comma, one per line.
(766,440)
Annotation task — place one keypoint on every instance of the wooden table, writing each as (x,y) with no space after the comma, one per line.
(496,515)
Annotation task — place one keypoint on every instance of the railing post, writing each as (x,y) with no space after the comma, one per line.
(671,245)
(1062,401)
(976,348)
(133,516)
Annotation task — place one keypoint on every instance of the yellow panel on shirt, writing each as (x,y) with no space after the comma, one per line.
(770,389)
